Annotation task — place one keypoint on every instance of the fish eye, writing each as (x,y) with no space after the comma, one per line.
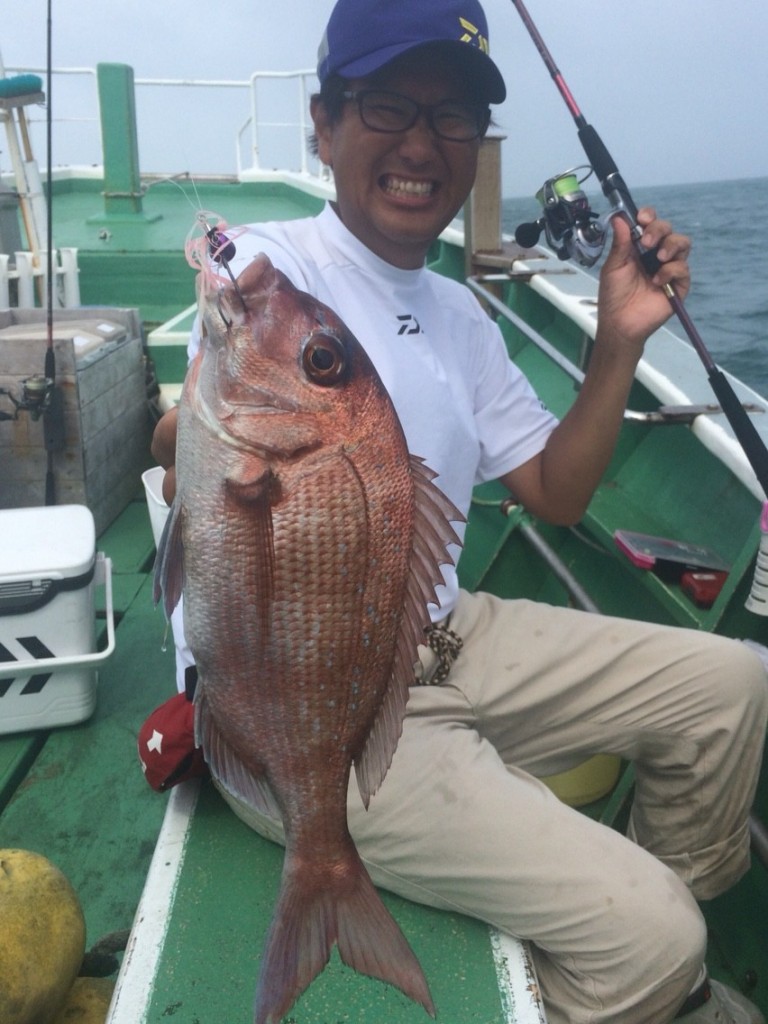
(324,359)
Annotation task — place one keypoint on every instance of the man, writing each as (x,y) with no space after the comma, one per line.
(461,820)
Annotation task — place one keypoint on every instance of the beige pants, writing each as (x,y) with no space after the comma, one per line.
(461,822)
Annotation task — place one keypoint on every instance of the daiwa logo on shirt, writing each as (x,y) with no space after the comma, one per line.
(408,324)
(471,34)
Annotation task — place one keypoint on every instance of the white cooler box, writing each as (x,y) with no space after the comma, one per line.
(49,569)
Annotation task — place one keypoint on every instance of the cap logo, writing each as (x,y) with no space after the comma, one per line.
(473,36)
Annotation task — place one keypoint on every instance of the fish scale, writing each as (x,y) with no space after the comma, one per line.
(308,544)
(321,574)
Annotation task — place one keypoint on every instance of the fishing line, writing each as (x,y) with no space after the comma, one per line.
(615,189)
(220,246)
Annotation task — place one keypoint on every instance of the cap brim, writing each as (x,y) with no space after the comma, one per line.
(481,66)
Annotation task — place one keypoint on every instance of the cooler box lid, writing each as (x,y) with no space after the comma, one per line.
(86,335)
(55,540)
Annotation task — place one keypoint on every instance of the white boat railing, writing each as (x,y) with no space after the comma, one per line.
(266,128)
(24,279)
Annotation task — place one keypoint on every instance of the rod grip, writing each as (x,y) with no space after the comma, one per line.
(743,427)
(600,159)
(613,184)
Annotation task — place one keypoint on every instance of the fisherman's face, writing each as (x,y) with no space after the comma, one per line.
(396,192)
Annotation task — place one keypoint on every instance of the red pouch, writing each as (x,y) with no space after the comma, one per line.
(166,743)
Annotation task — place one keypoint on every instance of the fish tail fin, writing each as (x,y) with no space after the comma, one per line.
(347,911)
(370,941)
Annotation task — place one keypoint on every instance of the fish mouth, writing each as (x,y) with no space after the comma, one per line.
(400,187)
(228,419)
(236,417)
(257,401)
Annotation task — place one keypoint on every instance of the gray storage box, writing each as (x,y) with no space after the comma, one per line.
(107,426)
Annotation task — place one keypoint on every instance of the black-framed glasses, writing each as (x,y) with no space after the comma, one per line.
(453,120)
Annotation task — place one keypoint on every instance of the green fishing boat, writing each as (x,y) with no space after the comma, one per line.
(672,535)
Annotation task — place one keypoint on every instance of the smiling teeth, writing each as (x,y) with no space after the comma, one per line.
(403,186)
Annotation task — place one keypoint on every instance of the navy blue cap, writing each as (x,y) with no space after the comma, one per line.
(364,35)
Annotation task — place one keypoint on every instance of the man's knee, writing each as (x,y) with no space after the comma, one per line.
(749,670)
(670,944)
(644,973)
(744,693)
(733,680)
(666,936)
(682,935)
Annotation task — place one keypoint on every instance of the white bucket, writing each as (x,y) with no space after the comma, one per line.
(158,510)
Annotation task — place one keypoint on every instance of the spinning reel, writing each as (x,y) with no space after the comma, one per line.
(36,395)
(572,229)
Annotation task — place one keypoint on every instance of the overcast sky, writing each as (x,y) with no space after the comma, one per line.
(678,89)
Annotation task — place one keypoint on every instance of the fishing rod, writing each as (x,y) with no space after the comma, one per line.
(41,397)
(53,403)
(615,190)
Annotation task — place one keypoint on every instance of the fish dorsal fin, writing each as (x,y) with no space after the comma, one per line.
(226,765)
(169,564)
(431,536)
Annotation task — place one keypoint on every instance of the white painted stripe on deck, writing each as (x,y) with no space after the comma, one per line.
(518,986)
(136,980)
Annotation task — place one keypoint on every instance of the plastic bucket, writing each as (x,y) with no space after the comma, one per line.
(158,510)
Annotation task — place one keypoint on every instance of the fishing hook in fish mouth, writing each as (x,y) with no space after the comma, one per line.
(222,250)
(222,314)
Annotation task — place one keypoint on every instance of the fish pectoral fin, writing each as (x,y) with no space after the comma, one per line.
(250,478)
(169,563)
(226,766)
(251,482)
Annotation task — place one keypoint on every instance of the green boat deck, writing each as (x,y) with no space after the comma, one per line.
(77,795)
(123,256)
(210,954)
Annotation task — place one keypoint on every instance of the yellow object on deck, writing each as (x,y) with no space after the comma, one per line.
(587,782)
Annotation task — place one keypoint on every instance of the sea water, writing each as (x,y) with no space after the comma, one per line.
(728,224)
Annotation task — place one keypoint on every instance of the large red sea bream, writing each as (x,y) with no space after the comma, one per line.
(307,542)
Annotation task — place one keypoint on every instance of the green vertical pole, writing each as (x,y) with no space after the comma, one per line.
(122,177)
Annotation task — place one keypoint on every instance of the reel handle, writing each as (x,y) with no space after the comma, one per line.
(528,234)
